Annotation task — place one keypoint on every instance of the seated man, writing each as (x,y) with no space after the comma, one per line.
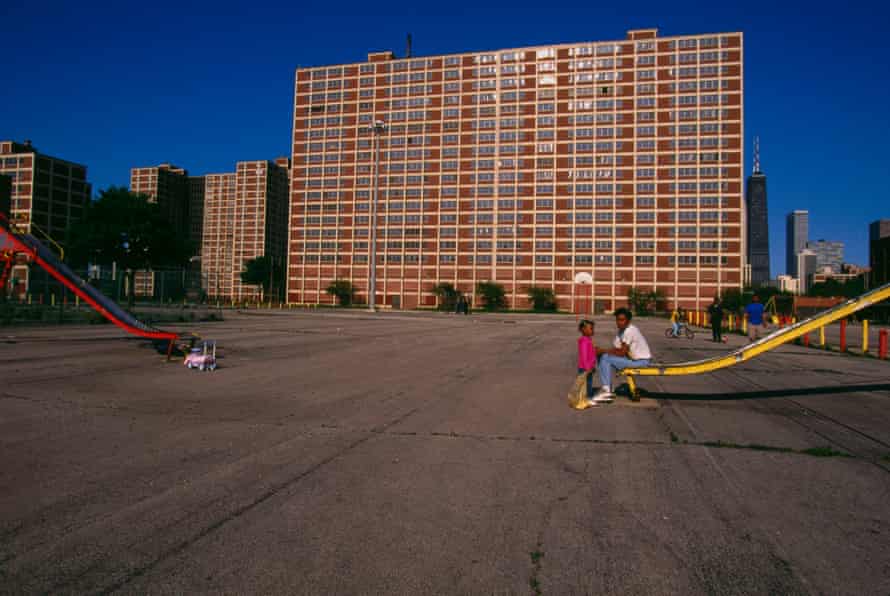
(630,350)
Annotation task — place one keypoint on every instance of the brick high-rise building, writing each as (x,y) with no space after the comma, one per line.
(169,187)
(527,166)
(245,216)
(5,194)
(196,211)
(48,193)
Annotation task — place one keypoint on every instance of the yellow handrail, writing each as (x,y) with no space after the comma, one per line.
(770,342)
(45,236)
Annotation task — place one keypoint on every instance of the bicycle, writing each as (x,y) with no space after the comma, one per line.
(684,329)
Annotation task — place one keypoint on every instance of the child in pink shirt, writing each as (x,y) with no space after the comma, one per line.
(587,354)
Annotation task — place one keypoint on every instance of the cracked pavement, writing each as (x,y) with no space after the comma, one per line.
(337,452)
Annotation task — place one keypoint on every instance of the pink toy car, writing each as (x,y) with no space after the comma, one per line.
(202,358)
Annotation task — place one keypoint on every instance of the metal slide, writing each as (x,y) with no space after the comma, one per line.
(108,308)
(770,342)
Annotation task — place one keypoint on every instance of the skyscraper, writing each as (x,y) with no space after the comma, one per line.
(797,231)
(620,159)
(828,254)
(879,252)
(806,268)
(758,222)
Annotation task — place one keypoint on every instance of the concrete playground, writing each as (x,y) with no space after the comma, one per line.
(340,452)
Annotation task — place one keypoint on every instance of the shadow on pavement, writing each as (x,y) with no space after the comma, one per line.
(767,394)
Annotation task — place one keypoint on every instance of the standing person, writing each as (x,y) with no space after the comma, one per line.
(630,350)
(715,312)
(586,354)
(755,318)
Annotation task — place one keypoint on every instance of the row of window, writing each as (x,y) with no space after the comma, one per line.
(517,245)
(603,49)
(582,203)
(548,81)
(517,259)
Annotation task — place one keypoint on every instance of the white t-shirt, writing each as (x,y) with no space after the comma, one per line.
(638,349)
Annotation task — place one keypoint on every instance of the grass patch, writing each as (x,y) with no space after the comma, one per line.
(826,451)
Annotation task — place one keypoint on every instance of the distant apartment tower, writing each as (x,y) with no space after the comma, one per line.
(5,194)
(829,254)
(168,186)
(758,223)
(618,159)
(797,229)
(196,211)
(47,193)
(245,216)
(879,252)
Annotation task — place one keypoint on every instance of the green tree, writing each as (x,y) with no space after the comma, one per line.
(832,287)
(644,302)
(125,228)
(343,290)
(542,299)
(734,299)
(264,271)
(448,295)
(493,295)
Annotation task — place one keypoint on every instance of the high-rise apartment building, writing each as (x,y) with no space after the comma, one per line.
(169,187)
(47,194)
(806,269)
(619,159)
(879,252)
(797,230)
(758,223)
(245,216)
(196,211)
(829,254)
(5,194)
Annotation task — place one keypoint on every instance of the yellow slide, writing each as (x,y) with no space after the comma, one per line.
(770,342)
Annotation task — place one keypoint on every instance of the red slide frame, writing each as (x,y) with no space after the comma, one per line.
(21,246)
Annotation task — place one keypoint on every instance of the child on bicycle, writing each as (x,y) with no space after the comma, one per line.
(587,353)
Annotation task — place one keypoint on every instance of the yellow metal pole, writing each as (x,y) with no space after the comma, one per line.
(865,337)
(822,336)
(745,325)
(52,299)
(29,299)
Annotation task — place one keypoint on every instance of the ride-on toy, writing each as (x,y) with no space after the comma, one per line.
(202,357)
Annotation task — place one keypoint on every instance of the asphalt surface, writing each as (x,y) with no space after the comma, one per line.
(408,453)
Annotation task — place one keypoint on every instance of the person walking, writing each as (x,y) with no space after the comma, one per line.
(754,311)
(715,313)
(630,350)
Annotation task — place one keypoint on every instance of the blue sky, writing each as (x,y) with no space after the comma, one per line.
(204,85)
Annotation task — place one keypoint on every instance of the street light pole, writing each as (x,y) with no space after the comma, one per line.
(377,129)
